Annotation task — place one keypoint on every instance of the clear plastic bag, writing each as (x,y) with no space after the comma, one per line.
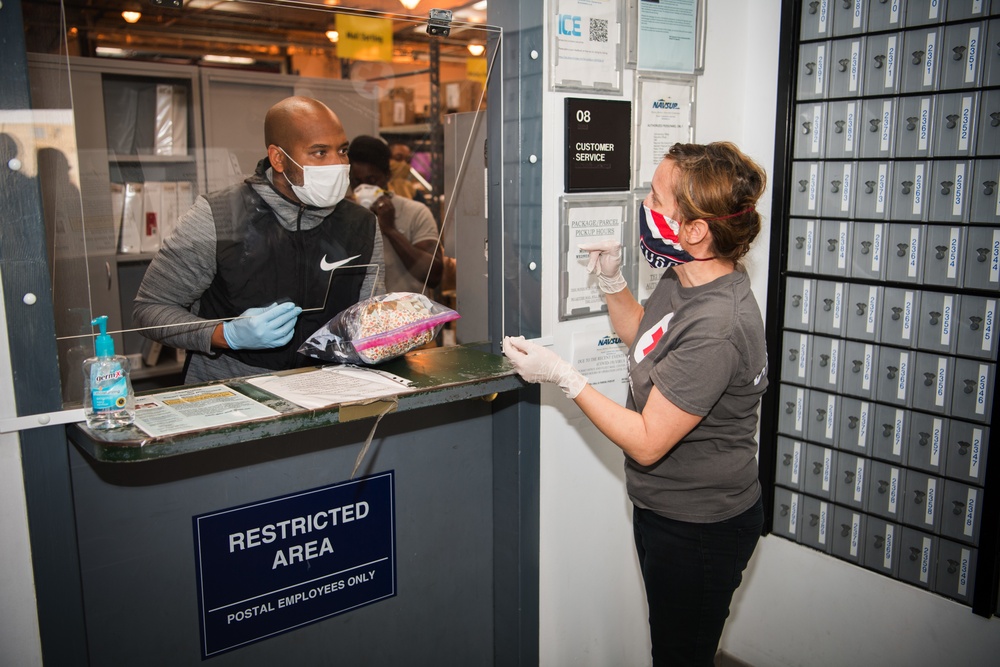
(379,329)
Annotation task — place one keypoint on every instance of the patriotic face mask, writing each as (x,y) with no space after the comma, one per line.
(658,239)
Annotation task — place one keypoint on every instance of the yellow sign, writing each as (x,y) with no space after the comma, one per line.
(475,69)
(363,38)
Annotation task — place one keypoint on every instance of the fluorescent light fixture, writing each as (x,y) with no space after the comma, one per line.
(476,49)
(131,17)
(228,60)
(480,6)
(332,35)
(409,4)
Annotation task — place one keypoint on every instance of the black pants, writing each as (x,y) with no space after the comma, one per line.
(691,571)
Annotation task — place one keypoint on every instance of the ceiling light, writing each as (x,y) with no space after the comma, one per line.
(228,60)
(131,16)
(332,35)
(480,6)
(476,49)
(409,4)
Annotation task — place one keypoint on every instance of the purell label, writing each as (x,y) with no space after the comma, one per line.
(803,351)
(827,467)
(859,480)
(963,573)
(842,247)
(883,144)
(796,461)
(883,179)
(887,549)
(855,533)
(897,433)
(904,370)
(925,559)
(866,380)
(956,202)
(914,258)
(923,137)
(973,53)
(947,310)
(907,315)
(823,511)
(893,490)
(890,64)
(855,66)
(831,378)
(942,382)
(976,453)
(813,183)
(918,189)
(817,123)
(845,194)
(989,318)
(970,512)
(877,234)
(799,408)
(931,501)
(984,377)
(929,63)
(810,239)
(820,66)
(965,129)
(849,129)
(872,315)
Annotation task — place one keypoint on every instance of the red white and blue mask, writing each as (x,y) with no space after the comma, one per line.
(658,239)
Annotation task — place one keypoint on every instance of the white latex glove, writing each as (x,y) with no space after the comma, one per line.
(606,263)
(535,363)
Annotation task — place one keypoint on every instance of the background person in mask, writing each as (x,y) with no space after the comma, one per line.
(409,232)
(262,252)
(697,368)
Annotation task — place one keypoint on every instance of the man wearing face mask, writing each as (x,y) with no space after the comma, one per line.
(246,276)
(408,228)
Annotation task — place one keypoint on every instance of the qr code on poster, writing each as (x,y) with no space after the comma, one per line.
(598,30)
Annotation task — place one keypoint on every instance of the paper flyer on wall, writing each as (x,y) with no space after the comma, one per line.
(586,45)
(665,118)
(601,357)
(667,35)
(185,410)
(586,224)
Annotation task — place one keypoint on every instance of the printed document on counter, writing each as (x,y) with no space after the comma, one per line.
(184,410)
(332,385)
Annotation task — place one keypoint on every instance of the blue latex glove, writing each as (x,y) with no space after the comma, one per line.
(257,328)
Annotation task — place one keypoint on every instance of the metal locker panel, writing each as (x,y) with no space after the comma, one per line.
(850,17)
(818,474)
(948,193)
(816,21)
(856,426)
(837,200)
(914,126)
(872,189)
(791,419)
(965,452)
(822,422)
(908,198)
(961,507)
(955,576)
(868,250)
(991,53)
(816,516)
(801,245)
(919,66)
(944,253)
(899,312)
(886,482)
(932,382)
(984,196)
(925,446)
(876,128)
(791,460)
(924,12)
(967,9)
(850,481)
(921,506)
(988,125)
(824,363)
(846,67)
(955,116)
(810,131)
(961,61)
(972,394)
(882,65)
(890,433)
(848,534)
(806,190)
(834,248)
(982,258)
(860,363)
(917,557)
(864,311)
(828,316)
(880,546)
(905,259)
(939,312)
(795,357)
(811,82)
(799,303)
(842,129)
(885,15)
(893,381)
(786,513)
(976,327)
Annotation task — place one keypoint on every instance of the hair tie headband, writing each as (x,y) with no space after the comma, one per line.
(733,215)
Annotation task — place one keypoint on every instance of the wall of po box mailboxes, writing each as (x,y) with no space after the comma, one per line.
(888,349)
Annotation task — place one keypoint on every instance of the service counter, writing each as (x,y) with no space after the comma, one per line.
(250,544)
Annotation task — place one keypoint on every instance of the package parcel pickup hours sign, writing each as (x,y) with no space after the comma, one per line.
(282,563)
(598,145)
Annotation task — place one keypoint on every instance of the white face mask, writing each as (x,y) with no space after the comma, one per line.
(322,187)
(367,194)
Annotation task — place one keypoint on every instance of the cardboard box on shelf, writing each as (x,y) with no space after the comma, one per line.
(463,96)
(396,107)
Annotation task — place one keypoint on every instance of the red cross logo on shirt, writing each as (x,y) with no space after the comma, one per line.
(657,335)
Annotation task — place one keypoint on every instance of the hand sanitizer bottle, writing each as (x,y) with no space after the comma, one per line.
(108,399)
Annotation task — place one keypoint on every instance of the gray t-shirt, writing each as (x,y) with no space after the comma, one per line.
(703,348)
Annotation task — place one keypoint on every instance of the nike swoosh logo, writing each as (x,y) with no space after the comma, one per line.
(330,266)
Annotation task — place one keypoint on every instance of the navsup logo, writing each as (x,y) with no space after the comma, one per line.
(664,104)
(609,340)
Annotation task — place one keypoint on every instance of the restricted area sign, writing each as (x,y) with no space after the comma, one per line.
(598,145)
(278,564)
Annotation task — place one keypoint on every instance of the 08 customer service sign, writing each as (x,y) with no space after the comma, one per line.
(279,564)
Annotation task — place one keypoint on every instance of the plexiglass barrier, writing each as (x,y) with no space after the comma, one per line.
(132,122)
